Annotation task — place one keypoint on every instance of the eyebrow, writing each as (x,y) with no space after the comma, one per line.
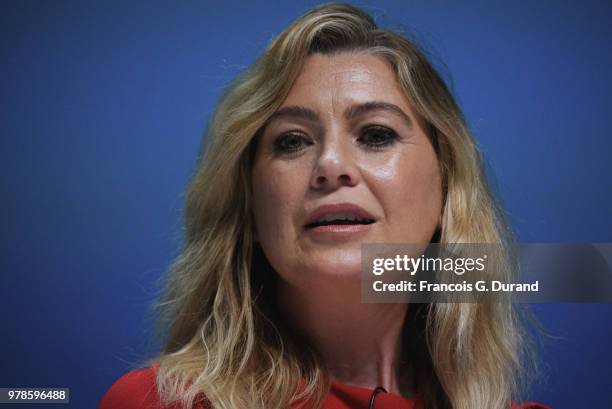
(360,109)
(300,112)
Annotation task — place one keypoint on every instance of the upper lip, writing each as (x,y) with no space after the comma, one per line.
(329,209)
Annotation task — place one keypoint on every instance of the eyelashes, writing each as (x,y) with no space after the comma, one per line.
(371,138)
(291,143)
(376,137)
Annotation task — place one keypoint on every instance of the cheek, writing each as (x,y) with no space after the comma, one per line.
(409,188)
(422,187)
(268,206)
(277,194)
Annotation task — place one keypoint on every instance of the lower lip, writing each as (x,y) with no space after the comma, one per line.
(340,231)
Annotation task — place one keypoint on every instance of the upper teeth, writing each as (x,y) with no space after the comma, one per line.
(339,216)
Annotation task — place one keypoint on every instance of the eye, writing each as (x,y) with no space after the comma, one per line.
(291,142)
(377,137)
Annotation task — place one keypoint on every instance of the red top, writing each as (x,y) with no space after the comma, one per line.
(136,390)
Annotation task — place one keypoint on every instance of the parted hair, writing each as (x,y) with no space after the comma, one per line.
(222,336)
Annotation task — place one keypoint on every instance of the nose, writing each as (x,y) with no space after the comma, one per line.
(335,167)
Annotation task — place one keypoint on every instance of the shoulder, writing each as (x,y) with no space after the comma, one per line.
(137,389)
(134,390)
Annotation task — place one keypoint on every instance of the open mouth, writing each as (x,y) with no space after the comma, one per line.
(338,221)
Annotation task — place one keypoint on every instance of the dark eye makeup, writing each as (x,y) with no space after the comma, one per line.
(377,137)
(373,137)
(291,142)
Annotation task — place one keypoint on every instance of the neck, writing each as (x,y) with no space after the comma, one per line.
(360,343)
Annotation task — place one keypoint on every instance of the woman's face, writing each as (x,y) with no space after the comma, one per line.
(345,160)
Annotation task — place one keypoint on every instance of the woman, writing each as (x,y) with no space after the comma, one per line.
(341,133)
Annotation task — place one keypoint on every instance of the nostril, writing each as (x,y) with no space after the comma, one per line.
(344,178)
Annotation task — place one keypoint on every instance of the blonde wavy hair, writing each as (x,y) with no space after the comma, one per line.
(223,340)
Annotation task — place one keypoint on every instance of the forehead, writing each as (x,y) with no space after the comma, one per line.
(329,81)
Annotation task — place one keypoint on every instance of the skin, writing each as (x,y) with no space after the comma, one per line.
(379,159)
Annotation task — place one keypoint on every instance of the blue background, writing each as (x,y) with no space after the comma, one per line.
(103,105)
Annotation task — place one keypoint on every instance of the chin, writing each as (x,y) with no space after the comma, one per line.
(338,266)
